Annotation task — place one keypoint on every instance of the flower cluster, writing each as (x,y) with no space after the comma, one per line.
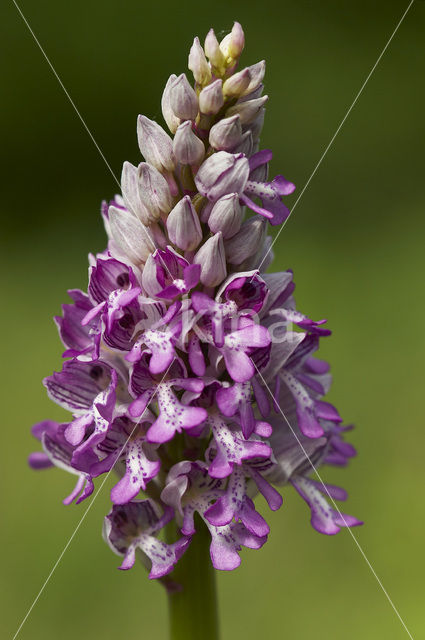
(188,370)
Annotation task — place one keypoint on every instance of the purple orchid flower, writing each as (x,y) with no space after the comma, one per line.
(224,173)
(167,275)
(226,540)
(173,415)
(132,526)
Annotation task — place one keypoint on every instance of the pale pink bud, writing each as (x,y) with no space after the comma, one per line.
(130,235)
(183,226)
(154,192)
(237,84)
(247,110)
(226,133)
(169,117)
(222,173)
(156,145)
(198,63)
(187,147)
(213,51)
(226,215)
(232,45)
(212,259)
(256,72)
(145,192)
(183,99)
(211,98)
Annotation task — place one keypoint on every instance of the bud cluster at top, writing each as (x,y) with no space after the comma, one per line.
(188,370)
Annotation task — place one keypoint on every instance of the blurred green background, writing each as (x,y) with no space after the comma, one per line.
(355,243)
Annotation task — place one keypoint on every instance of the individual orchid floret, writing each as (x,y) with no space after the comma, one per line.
(112,287)
(173,415)
(226,134)
(222,173)
(133,238)
(155,145)
(215,53)
(167,274)
(58,452)
(80,341)
(324,518)
(226,216)
(231,447)
(211,98)
(190,489)
(236,85)
(145,192)
(183,99)
(183,226)
(247,110)
(198,64)
(125,443)
(88,390)
(232,45)
(133,526)
(158,340)
(241,294)
(211,258)
(187,147)
(167,111)
(256,72)
(235,504)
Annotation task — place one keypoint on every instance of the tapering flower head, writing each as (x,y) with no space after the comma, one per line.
(188,370)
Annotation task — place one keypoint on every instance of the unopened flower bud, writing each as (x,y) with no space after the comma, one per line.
(198,63)
(169,117)
(155,145)
(232,45)
(183,226)
(237,84)
(183,99)
(145,192)
(213,51)
(130,235)
(154,192)
(222,173)
(256,72)
(226,215)
(150,283)
(187,147)
(246,241)
(226,134)
(247,110)
(212,259)
(211,98)
(130,192)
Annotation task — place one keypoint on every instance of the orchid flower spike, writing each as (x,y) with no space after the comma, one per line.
(188,369)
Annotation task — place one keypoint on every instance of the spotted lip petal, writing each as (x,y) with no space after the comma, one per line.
(232,448)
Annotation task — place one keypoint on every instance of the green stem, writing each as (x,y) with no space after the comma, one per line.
(193,609)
